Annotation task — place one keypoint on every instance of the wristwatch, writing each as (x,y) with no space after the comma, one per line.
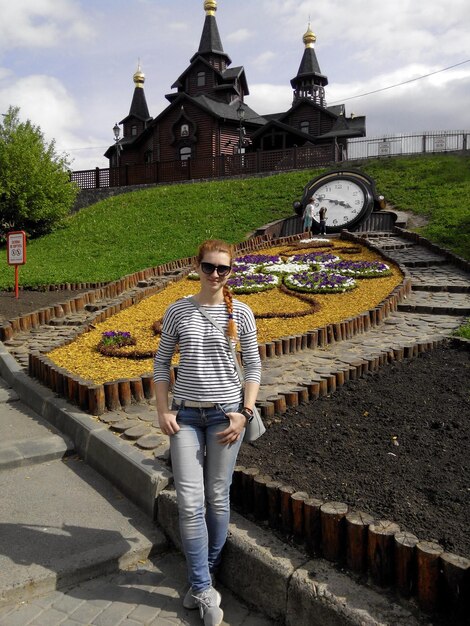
(248,413)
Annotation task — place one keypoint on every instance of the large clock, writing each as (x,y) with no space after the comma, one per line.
(347,195)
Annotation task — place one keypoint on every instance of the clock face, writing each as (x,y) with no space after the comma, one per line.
(347,201)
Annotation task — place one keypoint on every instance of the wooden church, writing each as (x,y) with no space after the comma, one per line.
(207,122)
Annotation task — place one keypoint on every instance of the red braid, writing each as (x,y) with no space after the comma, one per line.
(232,330)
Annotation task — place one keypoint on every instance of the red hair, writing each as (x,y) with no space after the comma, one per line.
(217,245)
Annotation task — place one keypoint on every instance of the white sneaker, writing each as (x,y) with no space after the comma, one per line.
(189,601)
(208,602)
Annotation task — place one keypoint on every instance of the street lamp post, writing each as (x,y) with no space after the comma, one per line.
(241,129)
(117,132)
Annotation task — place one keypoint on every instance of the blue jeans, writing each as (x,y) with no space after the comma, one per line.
(202,470)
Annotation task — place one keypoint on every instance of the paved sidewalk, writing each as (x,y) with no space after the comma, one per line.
(149,594)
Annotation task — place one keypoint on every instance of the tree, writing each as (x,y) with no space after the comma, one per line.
(35,190)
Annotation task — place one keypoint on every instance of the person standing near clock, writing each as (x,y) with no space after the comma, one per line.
(308,216)
(322,215)
(207,419)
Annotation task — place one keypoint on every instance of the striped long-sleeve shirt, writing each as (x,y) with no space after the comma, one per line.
(206,371)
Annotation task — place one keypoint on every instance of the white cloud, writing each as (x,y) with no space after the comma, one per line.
(5,72)
(42,23)
(265,98)
(437,102)
(47,104)
(265,59)
(178,27)
(240,35)
(377,33)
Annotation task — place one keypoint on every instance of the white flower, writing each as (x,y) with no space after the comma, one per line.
(314,239)
(285,268)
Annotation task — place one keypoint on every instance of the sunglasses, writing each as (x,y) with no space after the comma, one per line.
(222,270)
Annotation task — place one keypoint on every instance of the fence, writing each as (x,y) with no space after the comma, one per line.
(213,167)
(413,143)
(259,162)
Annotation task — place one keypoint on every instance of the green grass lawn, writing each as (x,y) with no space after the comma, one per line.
(435,186)
(145,228)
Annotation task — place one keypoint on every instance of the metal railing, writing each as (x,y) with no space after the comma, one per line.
(213,167)
(307,157)
(412,143)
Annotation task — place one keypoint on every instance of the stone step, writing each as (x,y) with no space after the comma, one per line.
(437,303)
(63,523)
(25,437)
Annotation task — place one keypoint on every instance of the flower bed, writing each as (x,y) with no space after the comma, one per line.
(361,269)
(280,312)
(319,282)
(251,283)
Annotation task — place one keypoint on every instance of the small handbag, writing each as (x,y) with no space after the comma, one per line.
(255,427)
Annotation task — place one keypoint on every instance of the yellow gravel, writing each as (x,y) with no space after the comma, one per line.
(81,357)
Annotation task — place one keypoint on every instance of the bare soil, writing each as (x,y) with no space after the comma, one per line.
(395,444)
(29,301)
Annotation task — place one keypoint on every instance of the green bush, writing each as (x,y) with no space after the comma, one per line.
(35,191)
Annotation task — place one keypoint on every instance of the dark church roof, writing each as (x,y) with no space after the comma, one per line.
(138,109)
(291,130)
(347,127)
(229,111)
(219,109)
(211,42)
(309,68)
(226,78)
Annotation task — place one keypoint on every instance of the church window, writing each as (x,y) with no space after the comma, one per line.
(134,130)
(201,79)
(184,130)
(185,153)
(305,126)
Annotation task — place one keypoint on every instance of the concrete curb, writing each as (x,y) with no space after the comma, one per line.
(39,450)
(96,562)
(140,479)
(285,584)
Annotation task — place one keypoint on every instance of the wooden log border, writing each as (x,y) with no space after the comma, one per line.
(354,539)
(375,549)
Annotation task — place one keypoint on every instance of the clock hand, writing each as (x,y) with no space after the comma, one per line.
(340,202)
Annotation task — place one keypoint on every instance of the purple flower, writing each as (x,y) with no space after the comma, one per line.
(252,283)
(117,338)
(314,257)
(360,268)
(319,282)
(257,259)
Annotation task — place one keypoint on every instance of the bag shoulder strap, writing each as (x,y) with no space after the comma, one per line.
(203,312)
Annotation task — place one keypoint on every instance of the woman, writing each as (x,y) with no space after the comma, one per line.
(208,415)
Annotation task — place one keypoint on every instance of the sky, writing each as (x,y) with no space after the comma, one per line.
(68,64)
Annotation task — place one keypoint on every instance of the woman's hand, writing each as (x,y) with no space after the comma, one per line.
(234,430)
(167,422)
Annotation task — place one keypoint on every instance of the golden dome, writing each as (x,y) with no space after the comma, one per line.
(309,37)
(139,77)
(210,7)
